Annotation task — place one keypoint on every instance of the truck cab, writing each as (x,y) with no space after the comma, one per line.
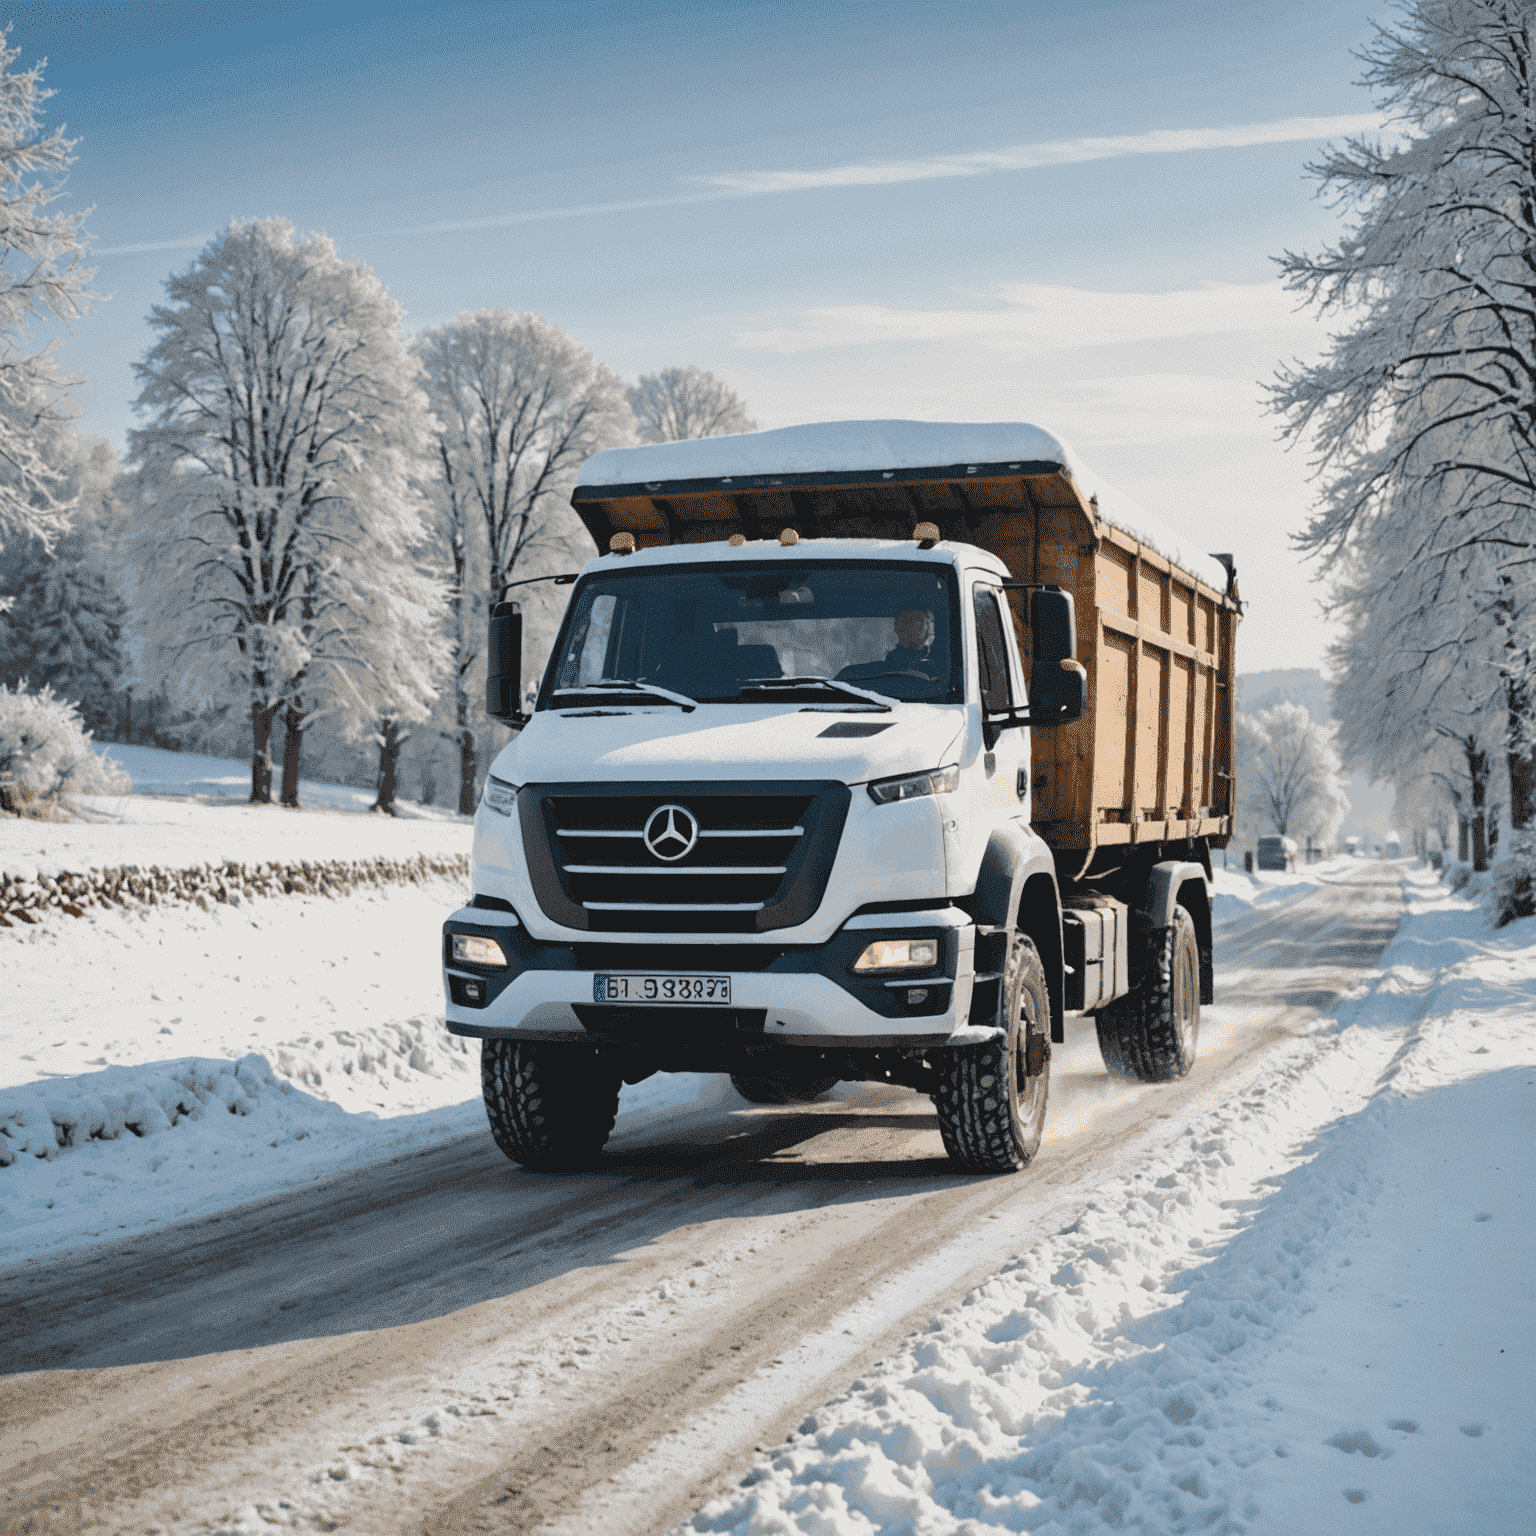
(771,814)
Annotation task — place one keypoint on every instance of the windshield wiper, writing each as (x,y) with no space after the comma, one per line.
(607,687)
(767,684)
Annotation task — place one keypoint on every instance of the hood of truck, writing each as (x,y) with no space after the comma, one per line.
(729,741)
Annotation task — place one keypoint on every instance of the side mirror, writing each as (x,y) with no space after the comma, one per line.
(1058,685)
(504,661)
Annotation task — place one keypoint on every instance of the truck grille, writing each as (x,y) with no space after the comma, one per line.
(725,858)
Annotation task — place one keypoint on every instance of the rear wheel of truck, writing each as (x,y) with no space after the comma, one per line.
(991,1098)
(781,1088)
(551,1104)
(1151,1034)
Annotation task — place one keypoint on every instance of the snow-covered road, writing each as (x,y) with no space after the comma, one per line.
(447,1343)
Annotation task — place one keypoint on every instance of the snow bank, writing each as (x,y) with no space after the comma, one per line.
(829,446)
(1235,890)
(110,1152)
(1315,1312)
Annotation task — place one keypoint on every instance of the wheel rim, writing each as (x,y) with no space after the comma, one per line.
(1029,1099)
(1186,1004)
(1029,1093)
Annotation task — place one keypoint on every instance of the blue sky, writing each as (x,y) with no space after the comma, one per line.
(848,208)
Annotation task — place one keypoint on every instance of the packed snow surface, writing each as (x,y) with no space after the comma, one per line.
(1315,1313)
(829,447)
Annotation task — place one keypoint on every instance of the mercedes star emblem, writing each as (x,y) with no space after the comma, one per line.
(671,831)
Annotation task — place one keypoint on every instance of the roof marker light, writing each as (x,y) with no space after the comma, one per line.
(926,534)
(736,540)
(788,536)
(621,544)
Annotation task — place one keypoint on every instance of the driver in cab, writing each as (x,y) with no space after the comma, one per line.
(909,656)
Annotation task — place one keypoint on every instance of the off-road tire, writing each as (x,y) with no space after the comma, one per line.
(1151,1034)
(781,1089)
(991,1111)
(551,1104)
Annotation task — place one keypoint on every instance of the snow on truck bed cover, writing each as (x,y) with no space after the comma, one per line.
(831,447)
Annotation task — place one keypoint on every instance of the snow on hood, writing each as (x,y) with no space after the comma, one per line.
(829,447)
(727,741)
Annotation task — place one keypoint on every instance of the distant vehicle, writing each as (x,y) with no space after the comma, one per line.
(1276,853)
(1393,849)
(1352,847)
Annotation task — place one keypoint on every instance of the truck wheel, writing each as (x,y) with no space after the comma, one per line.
(551,1105)
(991,1107)
(784,1089)
(1150,1035)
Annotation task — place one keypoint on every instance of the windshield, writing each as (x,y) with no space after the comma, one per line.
(719,633)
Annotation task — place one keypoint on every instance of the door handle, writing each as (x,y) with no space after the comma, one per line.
(1023,783)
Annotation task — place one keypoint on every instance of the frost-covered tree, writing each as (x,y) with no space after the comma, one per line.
(1289,773)
(42,282)
(1422,413)
(46,754)
(1421,691)
(681,403)
(275,512)
(62,615)
(518,408)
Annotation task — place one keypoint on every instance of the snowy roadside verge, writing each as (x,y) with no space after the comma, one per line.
(163,1062)
(1255,1332)
(95,1157)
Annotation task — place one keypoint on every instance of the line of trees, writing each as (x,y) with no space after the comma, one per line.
(316,510)
(1422,418)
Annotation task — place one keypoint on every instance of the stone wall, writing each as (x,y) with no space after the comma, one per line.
(28,896)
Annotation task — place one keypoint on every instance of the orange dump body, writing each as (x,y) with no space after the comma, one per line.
(1151,760)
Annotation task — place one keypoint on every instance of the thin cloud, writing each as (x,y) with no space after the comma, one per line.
(1043,317)
(187,243)
(1029,157)
(733,185)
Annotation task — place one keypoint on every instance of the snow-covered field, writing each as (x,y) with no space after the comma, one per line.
(1316,1314)
(187,810)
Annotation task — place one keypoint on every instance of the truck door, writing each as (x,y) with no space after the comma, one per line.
(1006,761)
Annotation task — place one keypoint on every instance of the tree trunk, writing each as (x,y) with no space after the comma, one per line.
(463,658)
(1477,771)
(467,772)
(293,743)
(1463,830)
(262,716)
(390,742)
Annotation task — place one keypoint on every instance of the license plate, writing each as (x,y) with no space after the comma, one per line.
(662,989)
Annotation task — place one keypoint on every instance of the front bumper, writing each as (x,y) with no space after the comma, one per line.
(793,994)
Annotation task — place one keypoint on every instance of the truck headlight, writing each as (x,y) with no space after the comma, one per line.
(898,955)
(936,781)
(500,795)
(473,949)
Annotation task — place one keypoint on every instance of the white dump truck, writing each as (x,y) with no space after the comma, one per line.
(866,751)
